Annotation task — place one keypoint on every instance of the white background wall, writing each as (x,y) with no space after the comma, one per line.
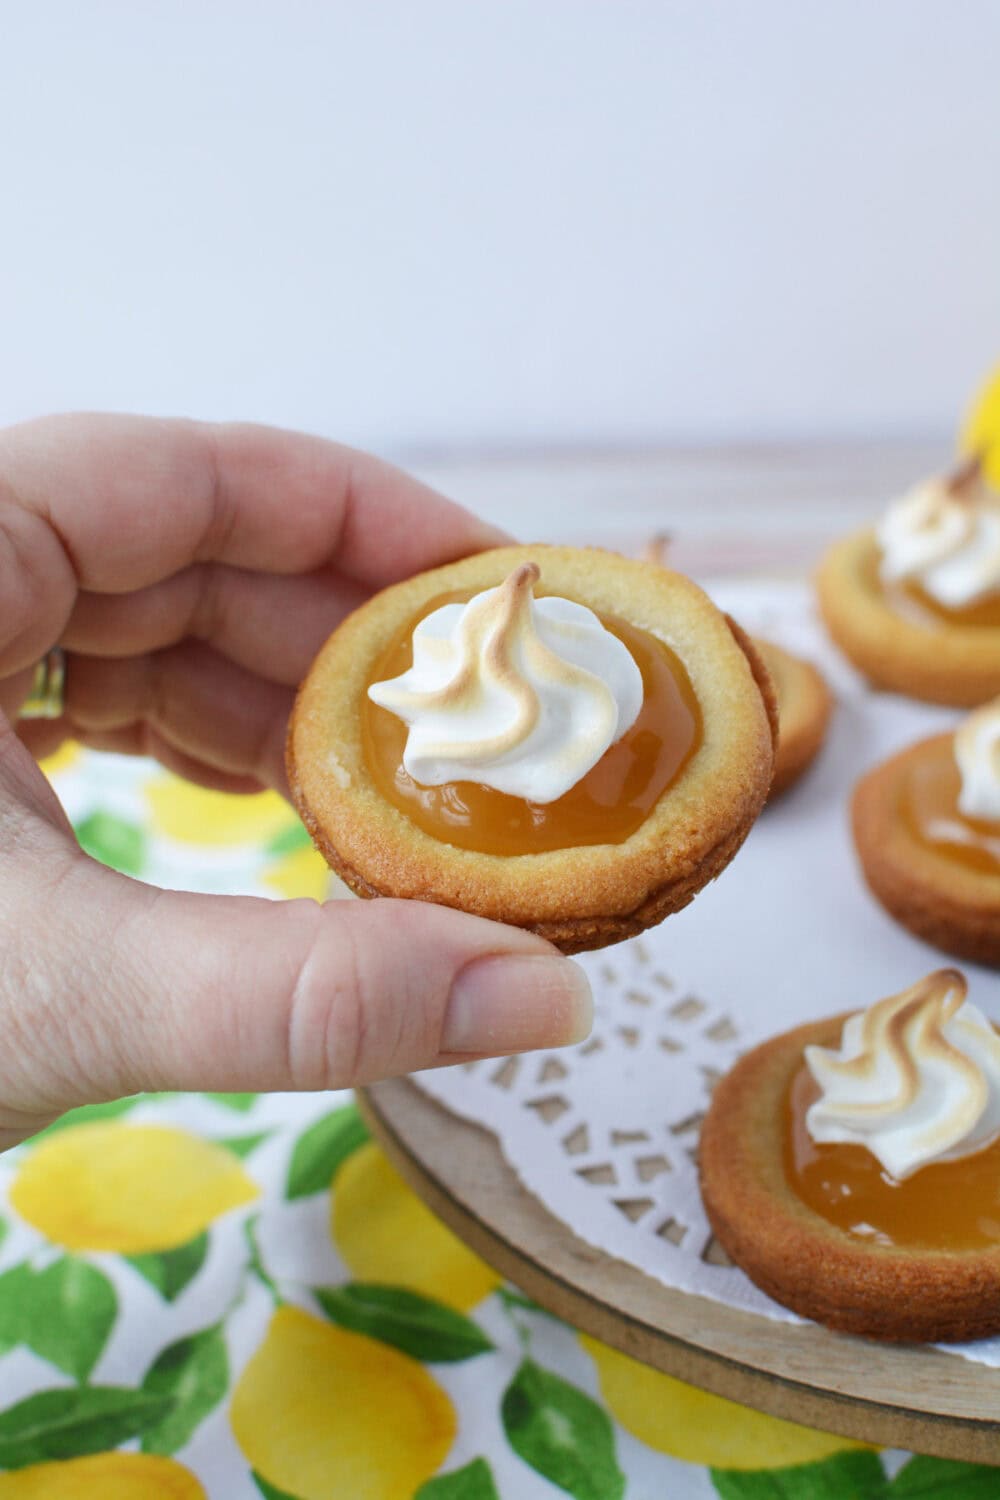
(424,223)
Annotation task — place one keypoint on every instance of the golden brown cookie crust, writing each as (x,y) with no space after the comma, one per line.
(801,1259)
(804,707)
(956,665)
(578,898)
(937,899)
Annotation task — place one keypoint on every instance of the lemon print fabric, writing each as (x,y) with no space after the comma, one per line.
(981,428)
(259,839)
(193,815)
(237,1296)
(298,870)
(700,1428)
(127,1188)
(59,762)
(319,1411)
(104,1476)
(386,1234)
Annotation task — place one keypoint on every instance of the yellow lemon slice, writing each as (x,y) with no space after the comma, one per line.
(193,815)
(129,1188)
(981,428)
(385,1234)
(319,1411)
(105,1476)
(692,1425)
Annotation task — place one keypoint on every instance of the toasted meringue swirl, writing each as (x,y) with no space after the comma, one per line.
(916,1079)
(977,751)
(944,535)
(520,694)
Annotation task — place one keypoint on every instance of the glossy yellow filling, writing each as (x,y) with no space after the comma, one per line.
(952,1205)
(605,807)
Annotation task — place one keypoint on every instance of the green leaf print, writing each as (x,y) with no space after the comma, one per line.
(270,1491)
(74,1422)
(170,1271)
(474,1482)
(321,1149)
(288,841)
(87,1114)
(64,1313)
(416,1324)
(243,1145)
(562,1434)
(944,1479)
(255,1263)
(12,1290)
(194,1372)
(845,1476)
(114,842)
(70,1309)
(240,1103)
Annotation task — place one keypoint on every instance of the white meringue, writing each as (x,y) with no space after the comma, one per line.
(944,535)
(520,694)
(916,1079)
(977,751)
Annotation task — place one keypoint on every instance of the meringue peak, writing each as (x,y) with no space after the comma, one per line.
(916,1079)
(944,534)
(977,753)
(518,694)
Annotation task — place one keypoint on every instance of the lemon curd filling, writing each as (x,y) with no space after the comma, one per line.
(915,604)
(951,1205)
(929,806)
(606,806)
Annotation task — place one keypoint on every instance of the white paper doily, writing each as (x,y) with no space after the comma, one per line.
(605,1134)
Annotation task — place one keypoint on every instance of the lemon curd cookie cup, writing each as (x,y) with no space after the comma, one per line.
(851,1167)
(915,602)
(641,830)
(927,831)
(803,697)
(804,707)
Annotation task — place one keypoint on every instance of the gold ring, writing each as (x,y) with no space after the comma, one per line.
(47,698)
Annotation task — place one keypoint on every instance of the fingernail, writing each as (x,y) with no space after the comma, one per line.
(517,1002)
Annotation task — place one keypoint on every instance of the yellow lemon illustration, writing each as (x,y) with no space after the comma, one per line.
(105,1476)
(304,872)
(686,1423)
(319,1411)
(129,1188)
(981,428)
(60,760)
(194,815)
(385,1234)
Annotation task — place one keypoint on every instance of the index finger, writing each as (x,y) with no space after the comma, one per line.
(115,503)
(135,498)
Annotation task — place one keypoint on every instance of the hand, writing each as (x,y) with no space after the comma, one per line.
(191,573)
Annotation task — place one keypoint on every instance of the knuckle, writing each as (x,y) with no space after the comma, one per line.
(36,584)
(208,615)
(329,1033)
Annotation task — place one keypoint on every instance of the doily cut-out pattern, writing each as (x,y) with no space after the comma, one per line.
(606,1133)
(615,1121)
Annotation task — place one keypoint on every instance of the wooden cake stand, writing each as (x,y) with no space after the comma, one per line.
(911,1397)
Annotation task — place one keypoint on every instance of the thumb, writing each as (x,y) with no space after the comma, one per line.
(220,993)
(110,987)
(113,987)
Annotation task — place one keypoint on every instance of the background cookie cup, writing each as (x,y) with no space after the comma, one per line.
(958,665)
(937,899)
(799,1258)
(804,707)
(578,898)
